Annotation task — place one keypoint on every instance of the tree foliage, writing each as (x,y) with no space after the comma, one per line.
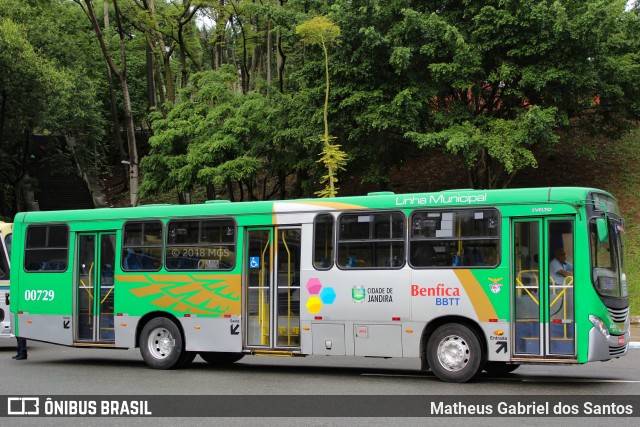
(46,86)
(231,94)
(506,75)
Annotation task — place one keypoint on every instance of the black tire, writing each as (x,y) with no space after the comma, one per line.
(162,345)
(220,358)
(454,353)
(500,369)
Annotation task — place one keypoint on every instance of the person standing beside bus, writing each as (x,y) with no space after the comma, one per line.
(559,268)
(22,349)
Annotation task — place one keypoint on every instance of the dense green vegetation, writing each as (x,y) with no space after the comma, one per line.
(258,99)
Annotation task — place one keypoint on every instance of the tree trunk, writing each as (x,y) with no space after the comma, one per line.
(134,179)
(151,89)
(105,13)
(281,57)
(211,191)
(134,173)
(3,109)
(117,136)
(269,48)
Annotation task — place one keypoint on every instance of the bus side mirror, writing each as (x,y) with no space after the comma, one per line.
(603,230)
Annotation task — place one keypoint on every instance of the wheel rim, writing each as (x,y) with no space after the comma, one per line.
(453,353)
(161,343)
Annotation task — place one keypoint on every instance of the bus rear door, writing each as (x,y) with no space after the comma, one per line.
(272,289)
(94,294)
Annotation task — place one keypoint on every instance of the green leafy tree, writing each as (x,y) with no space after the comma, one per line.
(46,84)
(244,146)
(505,76)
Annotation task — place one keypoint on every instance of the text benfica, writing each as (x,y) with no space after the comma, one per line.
(438,291)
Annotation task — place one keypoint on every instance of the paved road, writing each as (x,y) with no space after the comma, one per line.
(56,370)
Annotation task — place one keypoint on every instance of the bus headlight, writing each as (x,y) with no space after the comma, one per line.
(599,324)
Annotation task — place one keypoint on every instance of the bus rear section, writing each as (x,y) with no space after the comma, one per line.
(6,230)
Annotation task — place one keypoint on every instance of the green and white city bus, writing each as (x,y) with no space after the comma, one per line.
(5,251)
(459,279)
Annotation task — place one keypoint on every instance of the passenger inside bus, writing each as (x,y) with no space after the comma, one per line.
(559,268)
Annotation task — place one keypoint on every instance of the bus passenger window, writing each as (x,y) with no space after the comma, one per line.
(197,244)
(459,238)
(374,240)
(47,248)
(142,246)
(323,242)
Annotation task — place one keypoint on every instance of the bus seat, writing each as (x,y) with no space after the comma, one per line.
(183,264)
(131,261)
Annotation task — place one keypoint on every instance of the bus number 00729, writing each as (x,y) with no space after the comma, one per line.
(39,295)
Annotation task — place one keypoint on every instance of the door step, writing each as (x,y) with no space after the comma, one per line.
(94,344)
(280,353)
(540,360)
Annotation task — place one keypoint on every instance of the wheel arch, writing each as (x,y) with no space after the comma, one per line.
(434,324)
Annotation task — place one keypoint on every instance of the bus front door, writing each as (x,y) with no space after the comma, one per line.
(272,289)
(543,321)
(94,288)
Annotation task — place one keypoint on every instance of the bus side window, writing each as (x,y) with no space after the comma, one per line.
(456,238)
(323,242)
(46,248)
(375,240)
(142,246)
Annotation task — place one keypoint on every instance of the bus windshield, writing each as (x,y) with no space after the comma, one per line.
(607,260)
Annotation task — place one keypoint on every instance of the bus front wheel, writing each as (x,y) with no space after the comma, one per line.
(162,345)
(454,353)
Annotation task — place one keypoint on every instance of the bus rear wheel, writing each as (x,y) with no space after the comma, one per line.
(162,345)
(220,358)
(454,353)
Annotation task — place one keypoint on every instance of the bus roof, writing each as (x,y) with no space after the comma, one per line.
(380,200)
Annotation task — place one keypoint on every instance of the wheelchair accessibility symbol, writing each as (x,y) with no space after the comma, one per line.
(254,262)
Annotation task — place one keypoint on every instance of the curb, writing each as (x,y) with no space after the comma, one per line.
(635,320)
